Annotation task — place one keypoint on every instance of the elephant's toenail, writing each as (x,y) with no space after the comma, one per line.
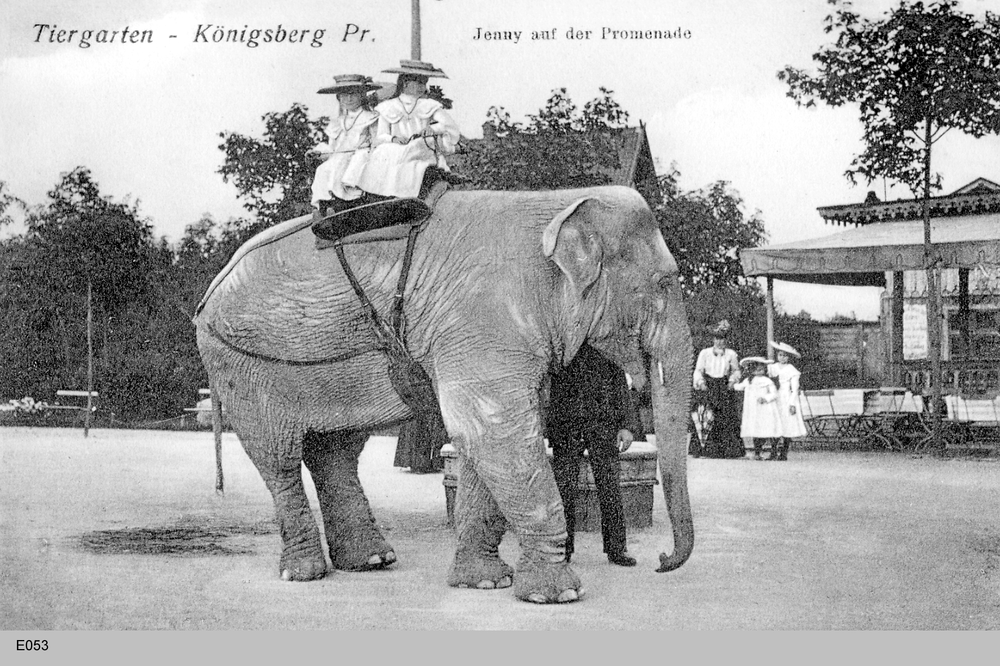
(567,595)
(537,598)
(390,557)
(286,575)
(486,585)
(506,581)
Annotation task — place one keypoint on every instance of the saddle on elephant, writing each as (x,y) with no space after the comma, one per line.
(384,218)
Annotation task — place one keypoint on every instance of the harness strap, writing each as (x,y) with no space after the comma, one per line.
(275,359)
(358,290)
(396,320)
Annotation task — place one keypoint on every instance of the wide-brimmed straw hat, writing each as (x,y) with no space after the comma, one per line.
(755,359)
(721,330)
(350,83)
(417,67)
(788,349)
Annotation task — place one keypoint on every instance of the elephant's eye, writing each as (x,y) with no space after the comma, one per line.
(664,282)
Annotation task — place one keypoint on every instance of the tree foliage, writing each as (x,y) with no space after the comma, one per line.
(273,174)
(145,357)
(915,74)
(577,148)
(705,230)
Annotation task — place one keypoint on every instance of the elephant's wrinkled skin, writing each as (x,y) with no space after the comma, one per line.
(502,284)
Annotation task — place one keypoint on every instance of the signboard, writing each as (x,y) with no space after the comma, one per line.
(914,331)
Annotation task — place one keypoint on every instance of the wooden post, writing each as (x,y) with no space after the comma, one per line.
(415,30)
(964,332)
(896,343)
(770,317)
(90,360)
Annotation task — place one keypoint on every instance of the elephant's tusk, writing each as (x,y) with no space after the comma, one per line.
(659,366)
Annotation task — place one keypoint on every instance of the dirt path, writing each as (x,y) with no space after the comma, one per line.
(124,531)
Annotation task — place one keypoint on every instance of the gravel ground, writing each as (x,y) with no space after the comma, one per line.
(123,530)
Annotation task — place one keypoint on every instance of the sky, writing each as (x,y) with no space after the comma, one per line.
(145,117)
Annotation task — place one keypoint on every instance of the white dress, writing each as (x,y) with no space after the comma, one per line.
(759,419)
(396,170)
(351,136)
(792,425)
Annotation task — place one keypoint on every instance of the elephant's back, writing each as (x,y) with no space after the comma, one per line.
(276,298)
(235,270)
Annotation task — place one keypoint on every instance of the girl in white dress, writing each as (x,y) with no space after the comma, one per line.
(760,406)
(414,133)
(351,134)
(789,410)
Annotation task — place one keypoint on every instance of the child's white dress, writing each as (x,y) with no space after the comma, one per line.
(351,136)
(759,420)
(792,425)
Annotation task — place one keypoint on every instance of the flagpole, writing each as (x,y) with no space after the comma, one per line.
(415,30)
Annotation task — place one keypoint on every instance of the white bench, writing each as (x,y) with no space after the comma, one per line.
(973,422)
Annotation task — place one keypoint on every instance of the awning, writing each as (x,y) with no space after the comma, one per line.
(863,255)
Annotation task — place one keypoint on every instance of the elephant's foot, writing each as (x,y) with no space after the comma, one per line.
(302,565)
(366,555)
(544,583)
(483,573)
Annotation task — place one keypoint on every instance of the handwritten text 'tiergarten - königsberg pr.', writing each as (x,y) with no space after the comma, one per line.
(204,33)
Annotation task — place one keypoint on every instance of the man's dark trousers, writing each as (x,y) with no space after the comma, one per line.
(602,450)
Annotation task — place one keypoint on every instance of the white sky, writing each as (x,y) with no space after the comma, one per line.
(145,118)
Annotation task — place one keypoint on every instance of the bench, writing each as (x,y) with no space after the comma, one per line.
(832,414)
(972,422)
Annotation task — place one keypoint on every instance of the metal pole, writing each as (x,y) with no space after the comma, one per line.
(90,359)
(770,317)
(415,30)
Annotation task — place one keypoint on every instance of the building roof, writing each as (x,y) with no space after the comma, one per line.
(979,196)
(862,256)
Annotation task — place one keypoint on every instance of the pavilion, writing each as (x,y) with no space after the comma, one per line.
(885,248)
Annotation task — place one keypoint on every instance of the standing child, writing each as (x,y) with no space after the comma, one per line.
(760,408)
(787,377)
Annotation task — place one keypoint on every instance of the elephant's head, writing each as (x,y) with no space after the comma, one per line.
(620,292)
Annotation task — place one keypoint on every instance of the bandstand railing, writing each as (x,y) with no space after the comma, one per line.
(957,377)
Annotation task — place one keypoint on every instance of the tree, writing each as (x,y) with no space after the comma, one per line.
(273,175)
(917,73)
(705,229)
(559,147)
(8,204)
(80,237)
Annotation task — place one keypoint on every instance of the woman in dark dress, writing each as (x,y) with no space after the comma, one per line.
(715,372)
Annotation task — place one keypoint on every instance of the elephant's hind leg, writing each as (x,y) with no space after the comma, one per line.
(480,526)
(302,550)
(355,542)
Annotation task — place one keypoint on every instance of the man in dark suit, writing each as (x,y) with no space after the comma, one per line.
(590,408)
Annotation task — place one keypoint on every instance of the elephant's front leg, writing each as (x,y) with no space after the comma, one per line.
(354,540)
(480,526)
(497,431)
(524,487)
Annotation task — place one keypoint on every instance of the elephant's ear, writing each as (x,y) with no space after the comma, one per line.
(572,242)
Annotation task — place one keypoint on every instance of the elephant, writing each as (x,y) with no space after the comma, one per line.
(503,287)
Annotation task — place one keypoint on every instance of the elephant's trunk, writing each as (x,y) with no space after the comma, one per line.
(670,389)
